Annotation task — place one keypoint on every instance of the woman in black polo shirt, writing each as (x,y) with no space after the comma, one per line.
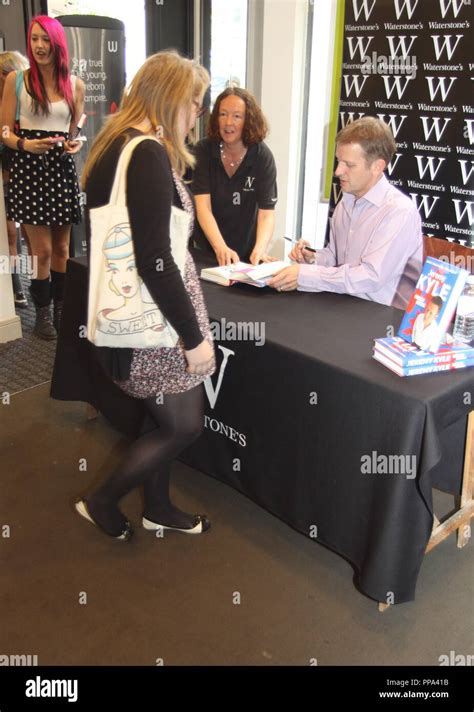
(234,181)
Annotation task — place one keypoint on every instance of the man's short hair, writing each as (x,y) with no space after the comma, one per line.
(437,301)
(374,135)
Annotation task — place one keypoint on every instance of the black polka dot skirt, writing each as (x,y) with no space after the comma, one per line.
(43,189)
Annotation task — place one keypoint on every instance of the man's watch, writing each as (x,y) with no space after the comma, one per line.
(20,144)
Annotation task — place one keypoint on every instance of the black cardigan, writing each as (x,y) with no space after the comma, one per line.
(150,194)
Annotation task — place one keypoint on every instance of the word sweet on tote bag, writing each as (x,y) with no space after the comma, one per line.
(121,312)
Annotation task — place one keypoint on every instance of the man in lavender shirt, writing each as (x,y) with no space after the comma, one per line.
(375,248)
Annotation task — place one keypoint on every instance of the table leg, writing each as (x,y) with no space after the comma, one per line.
(464,531)
(460,520)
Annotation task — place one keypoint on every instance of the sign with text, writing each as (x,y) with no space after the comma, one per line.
(97,53)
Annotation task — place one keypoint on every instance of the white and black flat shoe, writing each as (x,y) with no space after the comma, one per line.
(81,508)
(201,524)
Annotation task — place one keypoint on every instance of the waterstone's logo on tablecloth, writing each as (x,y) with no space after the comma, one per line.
(212,393)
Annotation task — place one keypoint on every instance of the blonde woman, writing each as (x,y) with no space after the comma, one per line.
(163,101)
(11,62)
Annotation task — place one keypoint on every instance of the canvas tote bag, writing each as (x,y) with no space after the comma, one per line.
(121,311)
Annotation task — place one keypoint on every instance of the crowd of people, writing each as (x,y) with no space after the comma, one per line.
(374,250)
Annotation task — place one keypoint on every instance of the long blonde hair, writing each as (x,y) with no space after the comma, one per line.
(12,62)
(164,85)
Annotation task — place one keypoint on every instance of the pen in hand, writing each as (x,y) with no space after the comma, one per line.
(305,247)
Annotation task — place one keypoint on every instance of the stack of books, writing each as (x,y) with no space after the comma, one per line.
(406,359)
(422,344)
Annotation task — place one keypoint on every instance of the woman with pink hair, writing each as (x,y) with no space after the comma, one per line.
(41,108)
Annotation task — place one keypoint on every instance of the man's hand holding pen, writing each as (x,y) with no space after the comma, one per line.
(287,279)
(302,252)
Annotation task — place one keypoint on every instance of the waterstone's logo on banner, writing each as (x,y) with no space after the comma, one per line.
(455,5)
(411,61)
(217,426)
(365,6)
(398,60)
(408,6)
(464,210)
(435,125)
(445,45)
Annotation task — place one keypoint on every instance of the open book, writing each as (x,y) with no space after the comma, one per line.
(258,276)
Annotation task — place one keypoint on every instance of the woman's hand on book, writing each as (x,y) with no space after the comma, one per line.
(226,256)
(258,255)
(201,359)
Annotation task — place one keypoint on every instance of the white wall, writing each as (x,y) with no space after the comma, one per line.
(315,206)
(276,74)
(10,325)
(283,60)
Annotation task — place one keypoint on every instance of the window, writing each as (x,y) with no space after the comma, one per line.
(228,45)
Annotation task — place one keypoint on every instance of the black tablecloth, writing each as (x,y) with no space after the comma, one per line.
(297,423)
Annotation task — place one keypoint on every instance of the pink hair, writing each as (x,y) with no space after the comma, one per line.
(57,38)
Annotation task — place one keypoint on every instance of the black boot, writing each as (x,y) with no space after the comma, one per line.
(57,293)
(40,294)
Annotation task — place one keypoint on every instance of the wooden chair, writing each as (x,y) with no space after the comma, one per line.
(451,252)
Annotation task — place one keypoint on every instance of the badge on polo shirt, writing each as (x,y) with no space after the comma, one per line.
(249,183)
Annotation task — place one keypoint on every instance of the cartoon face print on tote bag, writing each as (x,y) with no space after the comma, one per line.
(124,313)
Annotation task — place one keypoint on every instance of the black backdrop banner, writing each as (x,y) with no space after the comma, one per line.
(411,63)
